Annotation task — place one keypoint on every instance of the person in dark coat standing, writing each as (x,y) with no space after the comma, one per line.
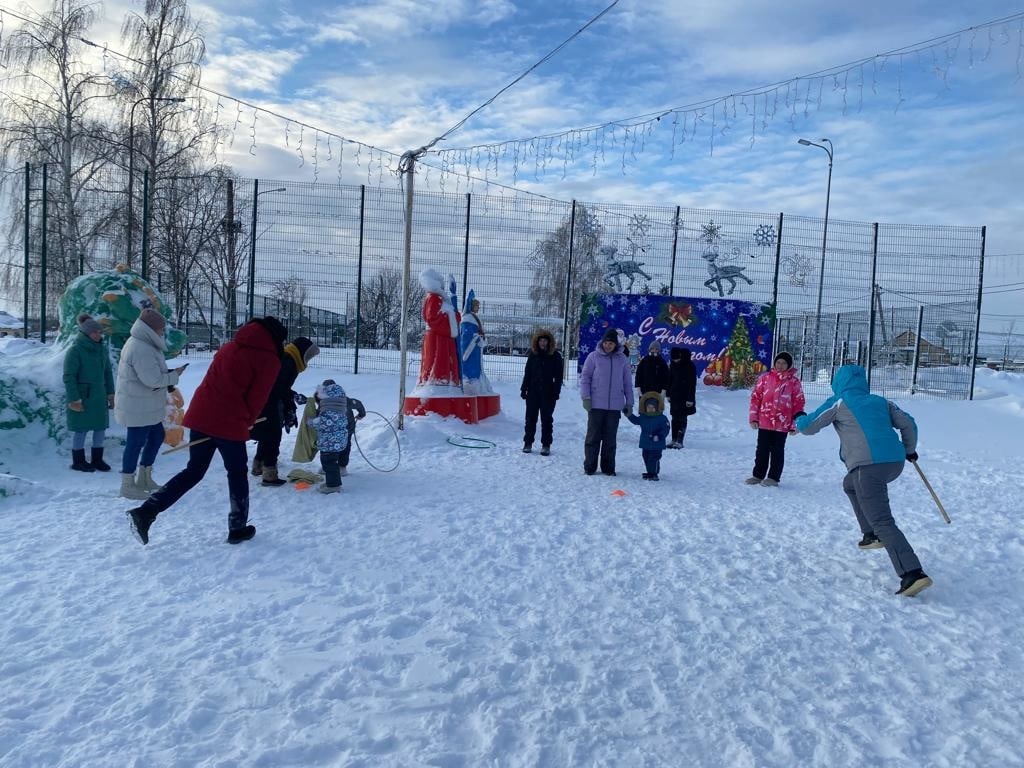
(682,393)
(652,371)
(225,405)
(541,387)
(89,389)
(279,411)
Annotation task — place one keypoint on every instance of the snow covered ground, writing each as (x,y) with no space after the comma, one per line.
(482,607)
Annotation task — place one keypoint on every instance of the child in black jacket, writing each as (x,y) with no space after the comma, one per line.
(682,393)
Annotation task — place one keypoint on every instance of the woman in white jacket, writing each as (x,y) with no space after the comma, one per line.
(142,381)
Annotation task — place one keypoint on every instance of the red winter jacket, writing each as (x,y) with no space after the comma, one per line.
(776,399)
(236,386)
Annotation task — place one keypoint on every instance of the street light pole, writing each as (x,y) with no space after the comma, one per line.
(252,241)
(131,162)
(824,242)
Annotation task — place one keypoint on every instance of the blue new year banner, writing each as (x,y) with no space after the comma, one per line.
(730,341)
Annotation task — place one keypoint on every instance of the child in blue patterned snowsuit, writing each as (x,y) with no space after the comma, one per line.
(331,425)
(654,430)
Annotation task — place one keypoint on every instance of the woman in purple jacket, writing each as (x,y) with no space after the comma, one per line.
(607,390)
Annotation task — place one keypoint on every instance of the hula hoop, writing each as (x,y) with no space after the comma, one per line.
(397,442)
(484,443)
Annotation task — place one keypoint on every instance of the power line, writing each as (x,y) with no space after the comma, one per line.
(491,100)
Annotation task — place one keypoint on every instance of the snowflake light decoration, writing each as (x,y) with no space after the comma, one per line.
(711,232)
(764,235)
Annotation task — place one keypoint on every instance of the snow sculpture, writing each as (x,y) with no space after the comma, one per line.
(114,297)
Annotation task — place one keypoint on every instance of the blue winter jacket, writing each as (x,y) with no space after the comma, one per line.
(654,427)
(864,422)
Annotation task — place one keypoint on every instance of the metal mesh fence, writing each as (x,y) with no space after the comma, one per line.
(327,259)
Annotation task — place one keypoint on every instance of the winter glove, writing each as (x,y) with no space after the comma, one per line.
(522,393)
(626,409)
(300,398)
(753,425)
(290,419)
(912,456)
(586,403)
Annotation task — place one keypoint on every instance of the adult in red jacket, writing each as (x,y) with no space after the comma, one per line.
(225,405)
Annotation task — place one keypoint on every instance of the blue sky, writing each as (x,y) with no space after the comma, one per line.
(397,73)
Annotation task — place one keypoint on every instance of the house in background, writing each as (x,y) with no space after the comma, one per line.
(11,325)
(904,345)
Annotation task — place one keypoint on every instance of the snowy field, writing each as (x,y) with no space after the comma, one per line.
(482,607)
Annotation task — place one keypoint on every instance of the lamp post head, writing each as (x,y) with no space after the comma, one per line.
(805,142)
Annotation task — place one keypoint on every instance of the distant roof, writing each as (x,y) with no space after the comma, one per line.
(8,320)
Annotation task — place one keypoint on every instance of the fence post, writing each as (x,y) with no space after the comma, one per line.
(917,349)
(568,288)
(252,249)
(465,254)
(42,261)
(28,242)
(778,259)
(803,346)
(359,271)
(871,315)
(675,246)
(977,319)
(835,348)
(145,225)
(210,316)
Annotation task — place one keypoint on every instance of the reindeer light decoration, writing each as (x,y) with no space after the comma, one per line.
(718,273)
(615,269)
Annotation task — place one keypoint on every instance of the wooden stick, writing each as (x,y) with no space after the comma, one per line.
(190,443)
(931,490)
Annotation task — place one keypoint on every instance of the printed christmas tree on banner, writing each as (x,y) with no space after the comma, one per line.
(736,367)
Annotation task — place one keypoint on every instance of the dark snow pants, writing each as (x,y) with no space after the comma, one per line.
(199,458)
(770,455)
(679,419)
(546,410)
(602,430)
(868,490)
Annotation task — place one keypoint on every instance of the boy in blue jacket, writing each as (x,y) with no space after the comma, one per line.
(874,457)
(654,430)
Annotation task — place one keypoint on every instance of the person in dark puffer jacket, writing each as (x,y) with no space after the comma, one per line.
(682,393)
(874,457)
(541,388)
(652,371)
(224,407)
(279,411)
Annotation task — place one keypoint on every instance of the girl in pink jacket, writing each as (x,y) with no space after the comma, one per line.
(775,403)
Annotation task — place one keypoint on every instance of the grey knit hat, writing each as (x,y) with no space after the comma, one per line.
(87,325)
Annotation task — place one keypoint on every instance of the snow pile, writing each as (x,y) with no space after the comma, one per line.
(486,607)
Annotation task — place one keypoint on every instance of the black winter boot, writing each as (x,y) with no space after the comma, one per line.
(238,535)
(913,582)
(78,462)
(141,518)
(97,461)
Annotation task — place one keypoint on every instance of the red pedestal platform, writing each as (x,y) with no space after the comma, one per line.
(469,408)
